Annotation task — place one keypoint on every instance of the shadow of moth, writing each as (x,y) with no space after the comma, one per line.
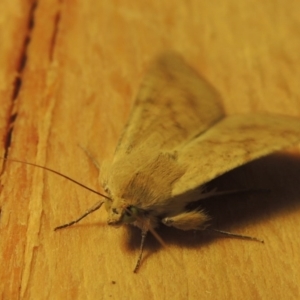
(176,140)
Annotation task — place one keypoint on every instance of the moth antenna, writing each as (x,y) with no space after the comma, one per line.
(89,211)
(235,235)
(60,174)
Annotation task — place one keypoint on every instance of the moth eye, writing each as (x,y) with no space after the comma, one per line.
(130,214)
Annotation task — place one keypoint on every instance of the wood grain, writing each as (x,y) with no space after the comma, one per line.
(79,71)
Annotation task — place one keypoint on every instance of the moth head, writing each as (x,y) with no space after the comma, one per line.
(121,214)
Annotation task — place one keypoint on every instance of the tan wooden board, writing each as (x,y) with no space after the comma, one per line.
(84,63)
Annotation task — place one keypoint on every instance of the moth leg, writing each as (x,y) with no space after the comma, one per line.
(188,220)
(89,211)
(235,235)
(138,263)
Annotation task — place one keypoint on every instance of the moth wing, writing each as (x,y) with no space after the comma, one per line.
(232,142)
(173,105)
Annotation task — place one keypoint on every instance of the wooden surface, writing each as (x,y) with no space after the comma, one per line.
(69,73)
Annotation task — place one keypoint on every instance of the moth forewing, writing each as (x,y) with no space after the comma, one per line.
(167,110)
(234,141)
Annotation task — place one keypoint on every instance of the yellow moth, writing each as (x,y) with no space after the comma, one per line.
(176,140)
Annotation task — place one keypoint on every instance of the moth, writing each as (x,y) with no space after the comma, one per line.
(176,140)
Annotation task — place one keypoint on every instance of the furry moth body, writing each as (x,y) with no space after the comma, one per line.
(176,140)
